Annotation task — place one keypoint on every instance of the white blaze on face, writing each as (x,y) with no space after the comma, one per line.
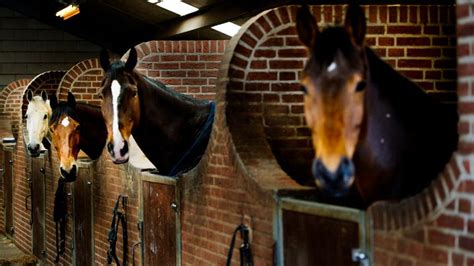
(332,67)
(117,136)
(65,122)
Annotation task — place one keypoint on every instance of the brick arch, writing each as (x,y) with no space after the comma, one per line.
(11,102)
(48,81)
(189,67)
(262,93)
(84,81)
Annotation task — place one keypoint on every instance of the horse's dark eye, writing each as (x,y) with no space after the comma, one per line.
(78,128)
(303,89)
(361,86)
(26,116)
(45,117)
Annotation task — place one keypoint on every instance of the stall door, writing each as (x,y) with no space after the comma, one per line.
(38,206)
(319,234)
(8,192)
(83,216)
(159,226)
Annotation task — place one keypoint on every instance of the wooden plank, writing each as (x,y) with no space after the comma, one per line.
(8,192)
(83,216)
(316,240)
(38,206)
(159,224)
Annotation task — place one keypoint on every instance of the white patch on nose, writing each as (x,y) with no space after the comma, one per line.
(118,139)
(65,122)
(332,67)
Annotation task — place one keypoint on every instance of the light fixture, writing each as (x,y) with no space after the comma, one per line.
(68,12)
(178,7)
(182,9)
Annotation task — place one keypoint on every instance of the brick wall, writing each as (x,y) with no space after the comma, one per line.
(30,47)
(189,67)
(11,101)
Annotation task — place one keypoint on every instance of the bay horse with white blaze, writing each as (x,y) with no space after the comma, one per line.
(376,134)
(76,126)
(171,129)
(37,117)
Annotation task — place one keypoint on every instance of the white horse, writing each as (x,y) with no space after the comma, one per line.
(37,121)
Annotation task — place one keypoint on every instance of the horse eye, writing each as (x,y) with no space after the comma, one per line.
(134,93)
(45,117)
(26,116)
(303,89)
(78,128)
(361,86)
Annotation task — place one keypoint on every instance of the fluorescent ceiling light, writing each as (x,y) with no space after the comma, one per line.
(182,9)
(67,12)
(178,7)
(227,28)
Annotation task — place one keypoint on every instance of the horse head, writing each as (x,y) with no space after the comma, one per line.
(37,119)
(120,104)
(333,82)
(65,127)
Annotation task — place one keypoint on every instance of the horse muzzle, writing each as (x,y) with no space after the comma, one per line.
(118,155)
(337,183)
(70,176)
(33,150)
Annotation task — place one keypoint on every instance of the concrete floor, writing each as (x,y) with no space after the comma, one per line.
(11,255)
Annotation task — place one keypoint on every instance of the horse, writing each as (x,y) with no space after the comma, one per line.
(376,134)
(74,127)
(171,129)
(37,120)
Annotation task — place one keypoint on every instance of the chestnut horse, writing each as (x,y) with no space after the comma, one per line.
(371,126)
(76,126)
(170,128)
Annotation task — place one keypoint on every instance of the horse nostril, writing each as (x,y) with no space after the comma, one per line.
(73,171)
(110,148)
(124,150)
(320,171)
(37,147)
(346,168)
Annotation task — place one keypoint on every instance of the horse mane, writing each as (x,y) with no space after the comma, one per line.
(63,108)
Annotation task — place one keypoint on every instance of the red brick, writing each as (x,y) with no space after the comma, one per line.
(404,29)
(466,243)
(440,238)
(292,53)
(386,41)
(264,53)
(262,76)
(464,205)
(449,221)
(435,255)
(425,52)
(412,41)
(414,63)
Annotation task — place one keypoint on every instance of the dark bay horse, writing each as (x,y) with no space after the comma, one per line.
(76,126)
(371,126)
(171,129)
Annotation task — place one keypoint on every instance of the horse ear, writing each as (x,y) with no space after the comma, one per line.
(306,26)
(104,60)
(29,95)
(131,60)
(44,95)
(53,101)
(355,23)
(71,101)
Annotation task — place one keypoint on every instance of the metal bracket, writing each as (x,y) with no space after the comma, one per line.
(361,257)
(174,206)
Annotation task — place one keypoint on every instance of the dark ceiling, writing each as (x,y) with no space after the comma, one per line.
(120,24)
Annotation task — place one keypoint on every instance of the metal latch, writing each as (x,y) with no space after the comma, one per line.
(361,257)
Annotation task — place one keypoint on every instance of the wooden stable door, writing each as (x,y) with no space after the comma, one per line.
(38,206)
(83,216)
(319,234)
(8,191)
(159,225)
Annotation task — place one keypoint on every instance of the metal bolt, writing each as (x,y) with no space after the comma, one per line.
(174,206)
(42,170)
(89,183)
(10,161)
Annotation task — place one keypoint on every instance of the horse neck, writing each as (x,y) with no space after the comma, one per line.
(93,130)
(169,122)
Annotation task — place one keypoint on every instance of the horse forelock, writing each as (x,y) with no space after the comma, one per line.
(63,109)
(330,45)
